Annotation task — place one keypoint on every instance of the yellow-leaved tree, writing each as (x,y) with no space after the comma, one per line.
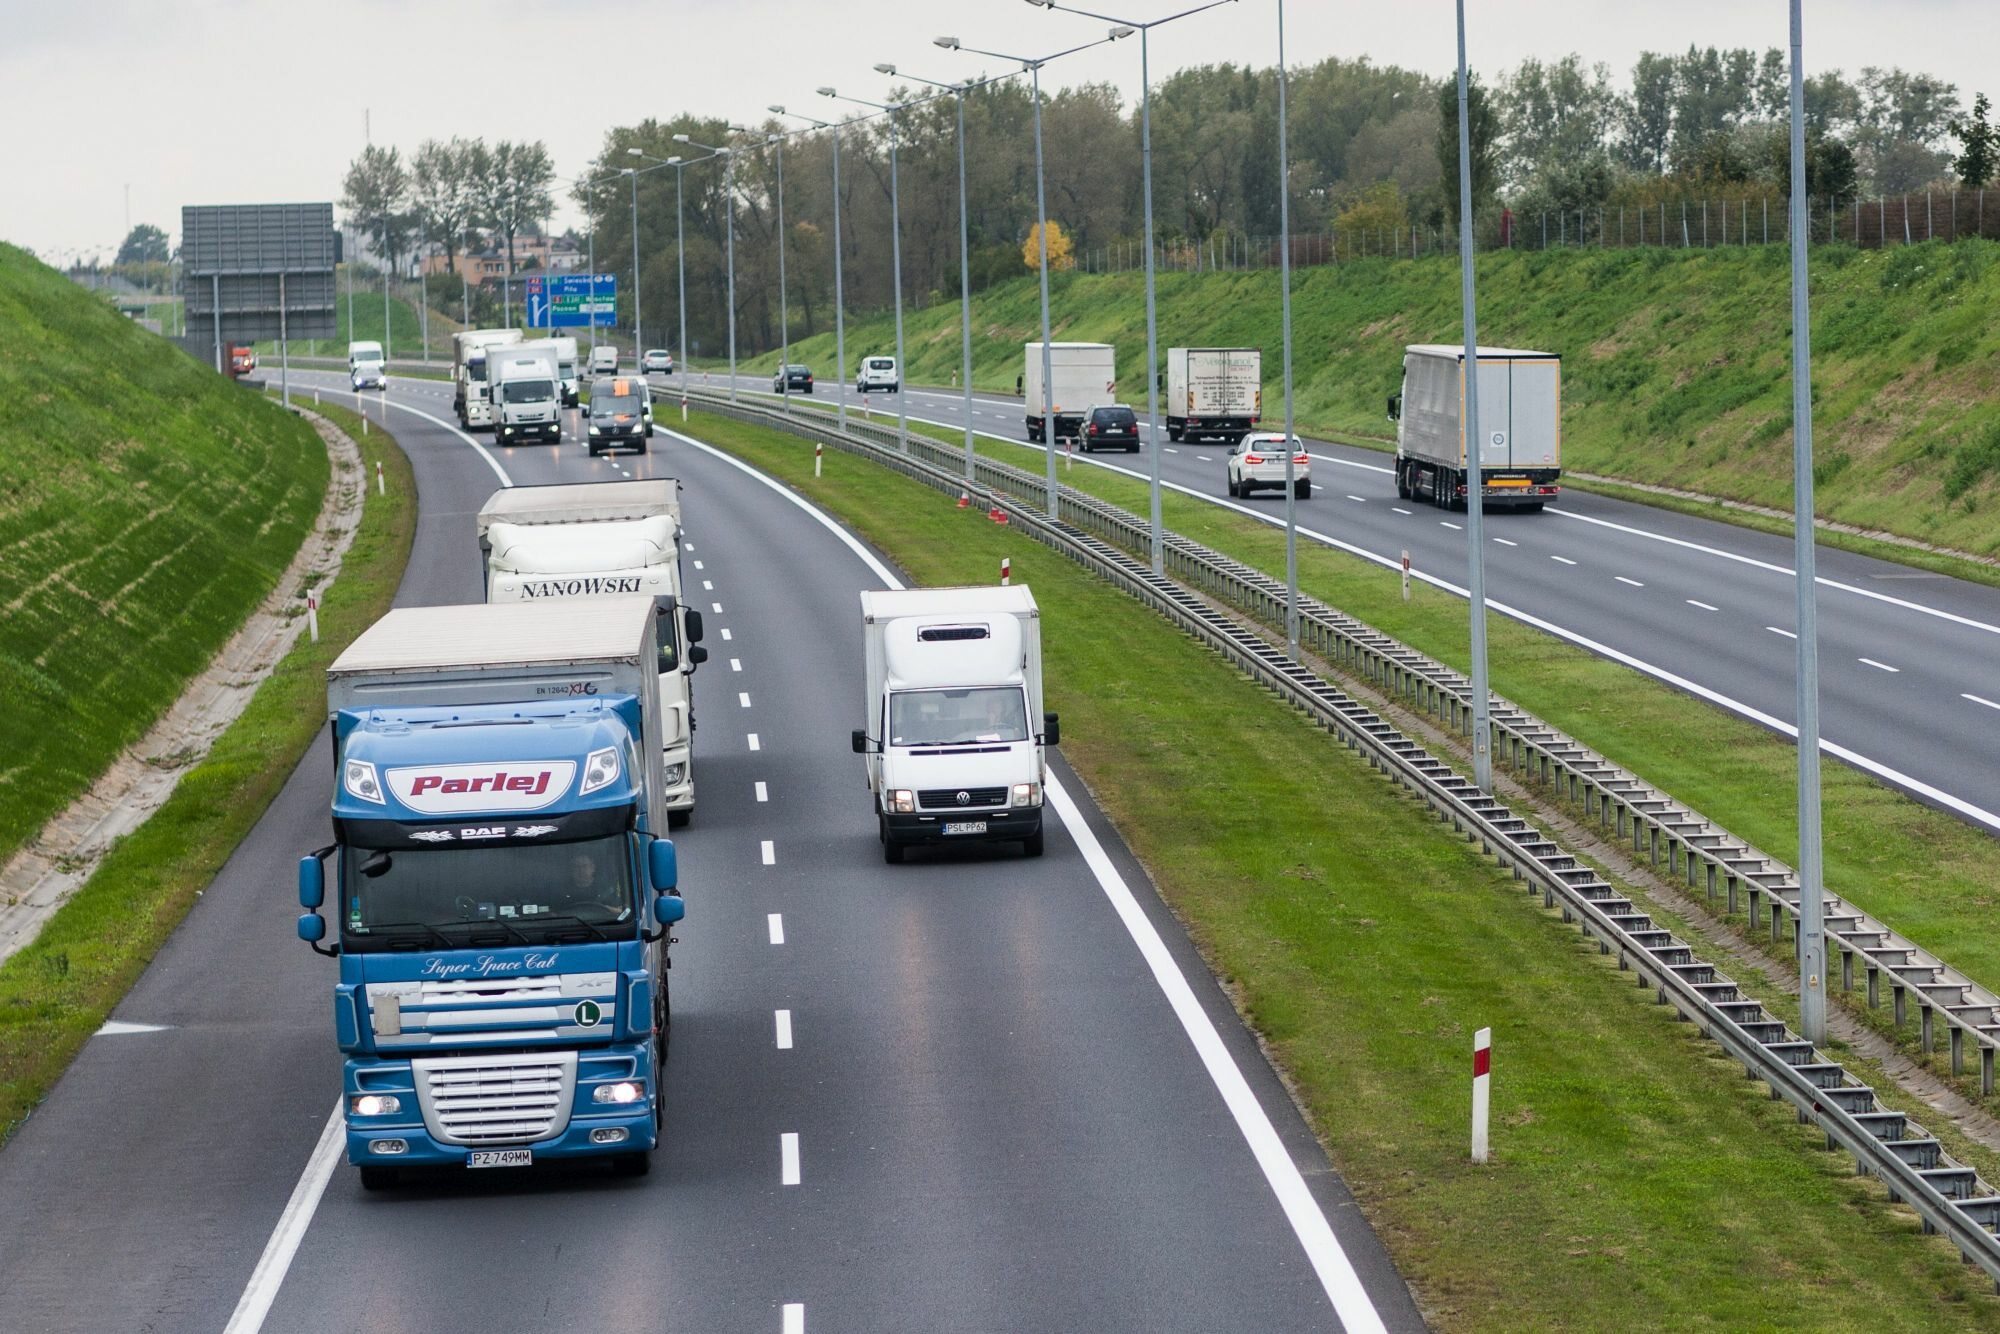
(1061,255)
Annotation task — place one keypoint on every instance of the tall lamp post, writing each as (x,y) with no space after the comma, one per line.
(1152,322)
(1475,466)
(895,258)
(839,304)
(638,319)
(1034,67)
(728,157)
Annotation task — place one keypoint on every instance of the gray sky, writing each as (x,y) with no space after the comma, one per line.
(257,101)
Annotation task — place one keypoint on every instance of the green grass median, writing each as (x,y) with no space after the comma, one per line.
(1639,1181)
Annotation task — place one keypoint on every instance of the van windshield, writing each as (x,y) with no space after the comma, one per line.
(527,391)
(613,405)
(454,895)
(957,717)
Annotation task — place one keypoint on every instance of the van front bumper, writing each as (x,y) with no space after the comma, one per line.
(1014,822)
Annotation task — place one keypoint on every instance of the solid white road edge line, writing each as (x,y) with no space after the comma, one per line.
(276,1261)
(1336,1274)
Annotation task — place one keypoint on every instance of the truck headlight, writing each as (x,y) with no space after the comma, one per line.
(903,801)
(375,1104)
(1027,794)
(358,777)
(675,774)
(622,1093)
(600,770)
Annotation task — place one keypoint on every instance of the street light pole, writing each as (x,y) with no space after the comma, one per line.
(1145,31)
(895,258)
(728,157)
(638,322)
(839,303)
(1475,467)
(1285,286)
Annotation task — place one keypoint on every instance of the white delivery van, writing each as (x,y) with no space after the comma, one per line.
(606,539)
(1080,374)
(604,359)
(955,740)
(525,390)
(877,373)
(365,367)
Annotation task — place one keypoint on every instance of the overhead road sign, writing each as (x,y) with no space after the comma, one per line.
(569,300)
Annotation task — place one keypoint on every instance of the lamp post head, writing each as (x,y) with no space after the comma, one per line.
(827,92)
(1043,4)
(674,161)
(635,152)
(680,138)
(775,109)
(948,43)
(1122,31)
(890,70)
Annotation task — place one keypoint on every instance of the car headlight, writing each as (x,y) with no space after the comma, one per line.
(622,1093)
(1027,794)
(596,431)
(600,770)
(903,801)
(375,1104)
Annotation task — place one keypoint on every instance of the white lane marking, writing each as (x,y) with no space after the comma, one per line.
(1447,524)
(1170,449)
(784,1024)
(1623,580)
(788,1158)
(1362,501)
(726,634)
(1204,458)
(743,698)
(689,546)
(115,1027)
(1881,666)
(716,607)
(708,586)
(1399,509)
(795,1318)
(1505,543)
(697,565)
(1776,631)
(763,793)
(1350,463)
(1336,1273)
(777,924)
(272,1265)
(1903,603)
(754,743)
(1979,700)
(736,664)
(1703,605)
(769,853)
(1563,559)
(1343,1287)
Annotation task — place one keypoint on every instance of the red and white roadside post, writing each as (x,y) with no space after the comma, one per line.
(381,487)
(1406,575)
(819,452)
(312,616)
(1482,1078)
(1006,571)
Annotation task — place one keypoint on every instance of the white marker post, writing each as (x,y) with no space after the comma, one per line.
(381,487)
(1406,575)
(684,409)
(819,452)
(1482,1077)
(312,616)
(1006,571)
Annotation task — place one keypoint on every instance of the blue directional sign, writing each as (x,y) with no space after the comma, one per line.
(569,300)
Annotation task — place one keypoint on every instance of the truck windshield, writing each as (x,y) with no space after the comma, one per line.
(527,391)
(611,405)
(957,717)
(522,894)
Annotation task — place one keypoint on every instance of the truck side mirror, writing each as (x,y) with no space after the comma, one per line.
(312,883)
(1395,407)
(1051,730)
(312,928)
(693,625)
(860,742)
(669,908)
(662,867)
(697,655)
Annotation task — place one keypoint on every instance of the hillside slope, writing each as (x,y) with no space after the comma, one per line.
(146,507)
(1677,362)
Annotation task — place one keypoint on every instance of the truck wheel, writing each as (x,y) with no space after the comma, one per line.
(632,1164)
(1532,507)
(1402,483)
(1175,433)
(892,851)
(679,819)
(1031,846)
(1303,490)
(378,1178)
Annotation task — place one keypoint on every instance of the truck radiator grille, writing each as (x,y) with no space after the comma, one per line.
(946,798)
(513,1098)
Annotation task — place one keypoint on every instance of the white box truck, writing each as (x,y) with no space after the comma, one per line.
(566,366)
(524,388)
(468,373)
(956,733)
(1081,375)
(589,540)
(1520,426)
(1214,392)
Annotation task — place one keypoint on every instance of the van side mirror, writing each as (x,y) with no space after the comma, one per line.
(697,655)
(860,742)
(1395,407)
(662,867)
(693,625)
(312,883)
(1051,730)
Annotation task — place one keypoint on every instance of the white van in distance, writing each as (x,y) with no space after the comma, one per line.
(877,373)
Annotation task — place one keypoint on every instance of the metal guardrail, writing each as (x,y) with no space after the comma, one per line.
(1949,1197)
(1700,851)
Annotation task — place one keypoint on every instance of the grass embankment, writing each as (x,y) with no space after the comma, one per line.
(1926,873)
(146,507)
(55,993)
(1676,363)
(1640,1181)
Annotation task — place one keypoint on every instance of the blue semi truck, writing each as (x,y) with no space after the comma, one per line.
(502,894)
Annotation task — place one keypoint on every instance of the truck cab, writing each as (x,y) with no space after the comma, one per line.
(470,350)
(501,897)
(954,747)
(525,390)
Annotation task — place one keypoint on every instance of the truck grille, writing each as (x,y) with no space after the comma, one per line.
(514,1098)
(946,798)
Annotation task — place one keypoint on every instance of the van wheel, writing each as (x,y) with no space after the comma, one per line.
(1031,846)
(644,446)
(378,1178)
(679,819)
(892,851)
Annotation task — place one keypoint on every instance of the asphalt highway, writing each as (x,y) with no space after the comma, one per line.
(1909,660)
(968,1093)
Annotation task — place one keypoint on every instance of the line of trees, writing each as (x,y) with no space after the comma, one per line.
(449,195)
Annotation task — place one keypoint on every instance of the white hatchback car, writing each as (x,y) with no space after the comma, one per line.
(1258,460)
(877,373)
